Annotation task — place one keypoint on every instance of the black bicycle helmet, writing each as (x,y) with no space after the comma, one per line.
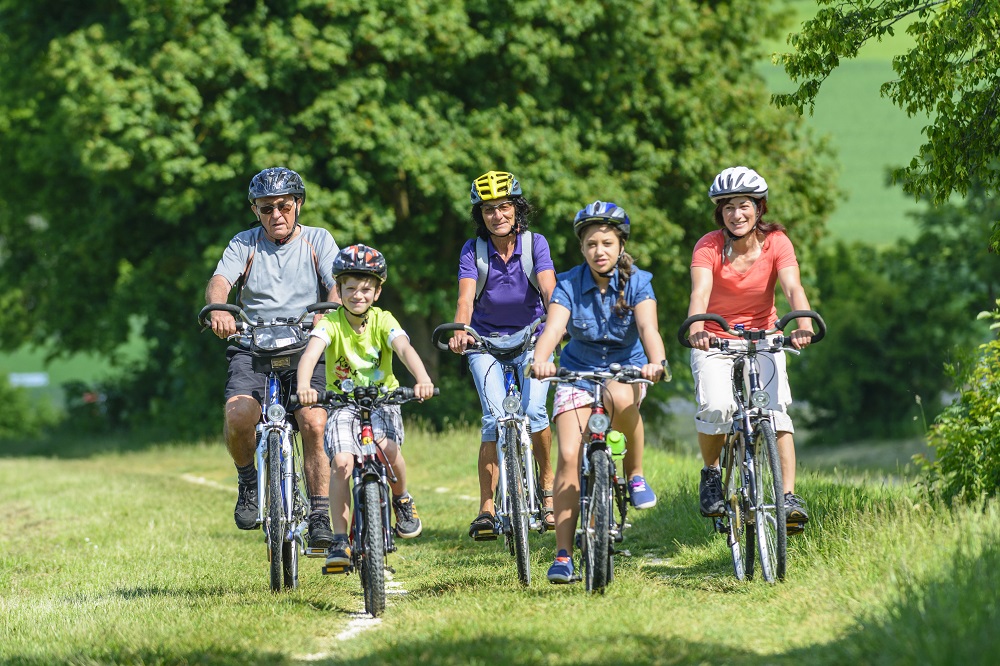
(360,260)
(275,181)
(602,212)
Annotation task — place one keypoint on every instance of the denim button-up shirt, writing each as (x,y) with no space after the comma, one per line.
(599,337)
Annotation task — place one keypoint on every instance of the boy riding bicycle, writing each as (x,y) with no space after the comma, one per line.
(359,341)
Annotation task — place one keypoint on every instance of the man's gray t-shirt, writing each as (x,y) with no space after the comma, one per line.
(282,279)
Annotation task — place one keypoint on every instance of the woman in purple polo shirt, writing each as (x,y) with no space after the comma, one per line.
(506,303)
(608,307)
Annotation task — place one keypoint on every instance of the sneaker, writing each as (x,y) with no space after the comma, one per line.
(710,493)
(795,511)
(339,554)
(408,523)
(320,534)
(246,508)
(561,570)
(641,495)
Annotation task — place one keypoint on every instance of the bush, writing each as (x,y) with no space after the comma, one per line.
(22,415)
(966,435)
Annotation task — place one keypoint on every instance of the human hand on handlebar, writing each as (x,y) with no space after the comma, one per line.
(701,340)
(543,369)
(223,324)
(801,338)
(308,395)
(460,341)
(652,371)
(423,390)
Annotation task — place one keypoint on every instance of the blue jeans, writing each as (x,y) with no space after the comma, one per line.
(487,373)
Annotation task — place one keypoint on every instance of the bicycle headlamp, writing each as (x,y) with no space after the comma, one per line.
(511,404)
(760,399)
(598,423)
(275,413)
(347,385)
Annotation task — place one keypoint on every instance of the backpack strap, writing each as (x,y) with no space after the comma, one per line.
(527,262)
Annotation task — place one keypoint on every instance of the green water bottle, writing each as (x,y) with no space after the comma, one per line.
(616,442)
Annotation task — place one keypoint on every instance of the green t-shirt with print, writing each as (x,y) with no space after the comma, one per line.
(365,358)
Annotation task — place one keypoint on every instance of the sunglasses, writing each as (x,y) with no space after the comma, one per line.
(285,207)
(503,207)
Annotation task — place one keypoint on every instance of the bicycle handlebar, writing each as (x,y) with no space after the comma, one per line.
(752,334)
(626,374)
(397,396)
(482,344)
(243,321)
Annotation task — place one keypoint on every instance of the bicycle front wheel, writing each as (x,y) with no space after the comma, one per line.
(373,557)
(517,503)
(772,534)
(735,494)
(596,542)
(299,493)
(275,525)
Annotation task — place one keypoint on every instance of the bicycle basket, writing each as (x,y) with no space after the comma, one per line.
(510,346)
(277,348)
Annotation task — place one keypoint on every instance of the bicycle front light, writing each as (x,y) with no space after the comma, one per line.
(275,413)
(598,423)
(511,404)
(760,399)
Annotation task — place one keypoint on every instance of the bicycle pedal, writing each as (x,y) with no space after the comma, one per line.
(485,535)
(334,569)
(315,552)
(795,528)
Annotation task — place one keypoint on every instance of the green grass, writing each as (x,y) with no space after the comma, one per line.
(130,556)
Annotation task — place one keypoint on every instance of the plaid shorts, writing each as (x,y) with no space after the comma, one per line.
(570,396)
(343,428)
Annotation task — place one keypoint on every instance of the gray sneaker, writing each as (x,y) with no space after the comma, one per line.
(408,523)
(320,534)
(710,493)
(246,508)
(795,514)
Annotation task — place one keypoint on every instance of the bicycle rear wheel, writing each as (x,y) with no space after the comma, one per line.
(734,493)
(373,557)
(772,534)
(274,526)
(517,502)
(596,542)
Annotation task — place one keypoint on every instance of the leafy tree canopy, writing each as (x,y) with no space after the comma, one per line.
(130,129)
(951,74)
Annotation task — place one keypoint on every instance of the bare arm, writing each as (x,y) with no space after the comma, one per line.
(791,285)
(652,343)
(555,327)
(463,314)
(546,284)
(217,291)
(424,387)
(307,363)
(701,292)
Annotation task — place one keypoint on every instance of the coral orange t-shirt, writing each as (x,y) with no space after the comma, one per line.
(743,298)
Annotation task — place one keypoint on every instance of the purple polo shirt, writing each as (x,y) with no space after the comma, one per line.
(508,302)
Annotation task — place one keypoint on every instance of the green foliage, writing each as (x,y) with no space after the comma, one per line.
(22,416)
(951,73)
(966,435)
(132,131)
(892,315)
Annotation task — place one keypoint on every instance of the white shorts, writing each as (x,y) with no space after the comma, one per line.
(713,390)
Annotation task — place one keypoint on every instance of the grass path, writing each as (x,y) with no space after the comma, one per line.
(131,557)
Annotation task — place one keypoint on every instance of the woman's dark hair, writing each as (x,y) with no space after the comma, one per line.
(522,211)
(761,206)
(624,265)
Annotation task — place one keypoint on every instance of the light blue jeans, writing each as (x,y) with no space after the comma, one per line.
(487,373)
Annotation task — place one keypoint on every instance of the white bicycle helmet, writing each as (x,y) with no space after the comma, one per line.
(738,181)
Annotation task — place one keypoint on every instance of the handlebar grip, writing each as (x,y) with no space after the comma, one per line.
(438,334)
(707,316)
(798,314)
(234,310)
(322,305)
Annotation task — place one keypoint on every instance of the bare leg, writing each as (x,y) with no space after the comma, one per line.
(340,491)
(569,425)
(394,457)
(786,451)
(312,424)
(242,414)
(489,473)
(711,448)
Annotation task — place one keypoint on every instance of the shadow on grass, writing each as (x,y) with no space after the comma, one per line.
(65,443)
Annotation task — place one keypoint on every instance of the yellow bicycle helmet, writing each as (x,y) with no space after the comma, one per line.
(493,185)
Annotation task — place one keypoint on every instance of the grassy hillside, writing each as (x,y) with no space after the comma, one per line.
(129,555)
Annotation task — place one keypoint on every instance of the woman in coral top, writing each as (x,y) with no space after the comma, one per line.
(733,274)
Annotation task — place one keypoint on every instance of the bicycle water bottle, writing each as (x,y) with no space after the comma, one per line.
(616,442)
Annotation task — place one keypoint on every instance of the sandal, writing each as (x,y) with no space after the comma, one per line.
(483,528)
(548,515)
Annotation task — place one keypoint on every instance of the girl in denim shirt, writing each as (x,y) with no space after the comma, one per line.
(608,307)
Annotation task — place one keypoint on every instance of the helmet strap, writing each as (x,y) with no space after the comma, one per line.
(611,273)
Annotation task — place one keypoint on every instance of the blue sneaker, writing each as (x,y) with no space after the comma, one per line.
(561,570)
(641,495)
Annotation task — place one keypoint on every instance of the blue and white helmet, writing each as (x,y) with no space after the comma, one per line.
(601,212)
(738,181)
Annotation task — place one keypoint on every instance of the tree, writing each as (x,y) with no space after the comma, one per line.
(130,130)
(952,74)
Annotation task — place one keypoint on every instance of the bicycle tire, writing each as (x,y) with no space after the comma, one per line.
(373,556)
(517,503)
(772,532)
(275,526)
(734,494)
(596,538)
(290,551)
